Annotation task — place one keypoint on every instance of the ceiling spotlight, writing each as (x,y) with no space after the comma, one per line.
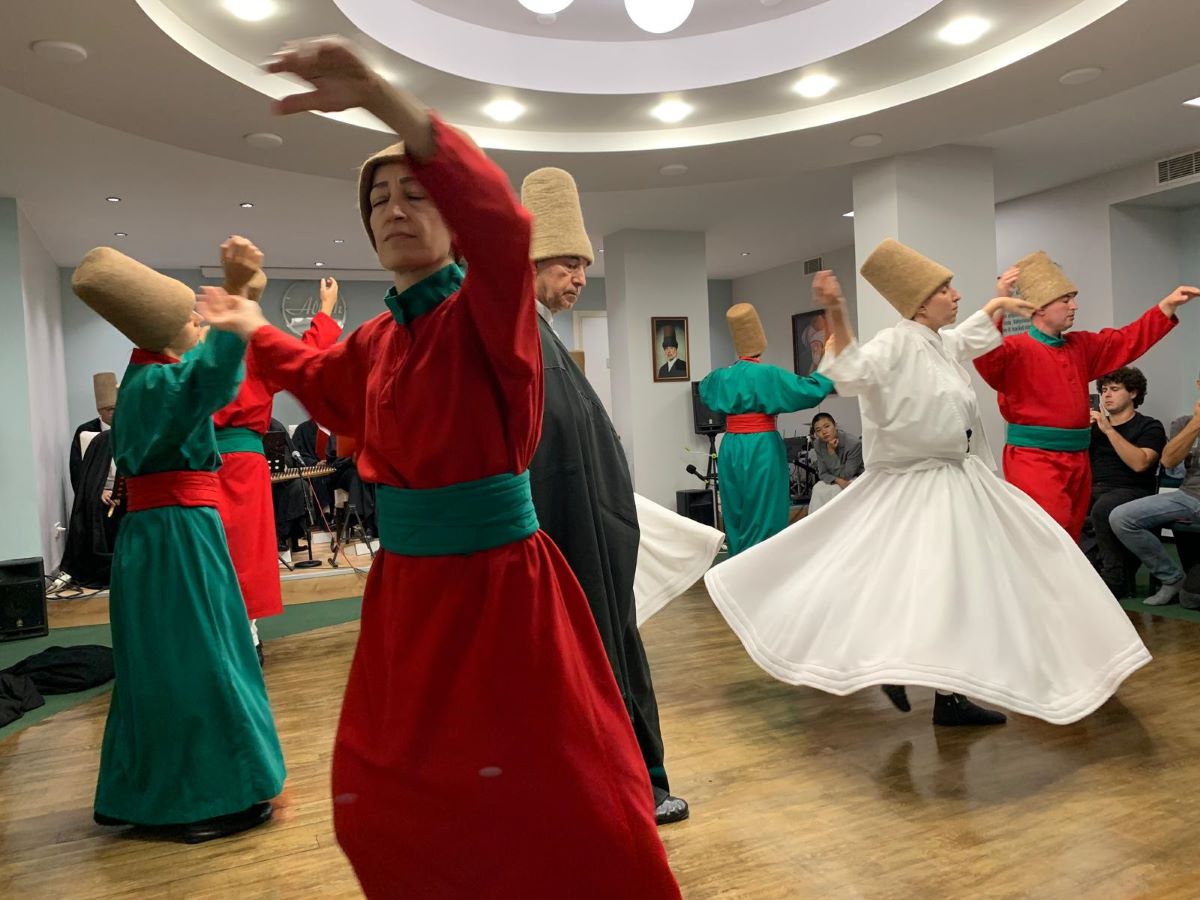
(866,140)
(338,241)
(545,7)
(318,264)
(601,249)
(251,10)
(263,140)
(849,215)
(813,86)
(745,253)
(504,110)
(1195,101)
(113,199)
(61,52)
(965,30)
(671,111)
(120,234)
(658,16)
(1081,76)
(673,169)
(246,204)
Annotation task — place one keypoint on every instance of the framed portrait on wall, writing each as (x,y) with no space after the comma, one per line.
(809,333)
(669,348)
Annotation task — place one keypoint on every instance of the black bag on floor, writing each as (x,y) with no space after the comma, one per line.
(65,670)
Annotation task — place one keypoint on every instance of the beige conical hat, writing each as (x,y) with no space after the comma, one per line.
(1041,281)
(904,277)
(392,154)
(104,386)
(577,355)
(256,286)
(749,339)
(553,198)
(146,306)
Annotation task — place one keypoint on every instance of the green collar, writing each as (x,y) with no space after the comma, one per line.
(1045,338)
(425,295)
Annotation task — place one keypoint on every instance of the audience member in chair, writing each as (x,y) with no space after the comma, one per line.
(1124,454)
(839,460)
(1139,522)
(104,385)
(318,446)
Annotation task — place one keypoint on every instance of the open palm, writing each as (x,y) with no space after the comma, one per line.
(333,66)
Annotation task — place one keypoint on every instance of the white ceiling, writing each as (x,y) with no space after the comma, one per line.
(147,121)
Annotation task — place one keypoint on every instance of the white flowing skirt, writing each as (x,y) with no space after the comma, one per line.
(674,552)
(946,577)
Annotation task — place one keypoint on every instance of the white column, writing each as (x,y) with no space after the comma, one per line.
(942,203)
(648,274)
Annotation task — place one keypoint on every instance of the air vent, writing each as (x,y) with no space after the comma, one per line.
(1185,166)
(813,266)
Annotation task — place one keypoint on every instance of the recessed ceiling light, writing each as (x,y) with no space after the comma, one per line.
(601,249)
(659,16)
(318,264)
(1081,76)
(246,204)
(120,234)
(671,111)
(113,199)
(1195,101)
(966,30)
(849,215)
(673,169)
(745,253)
(545,7)
(504,110)
(338,241)
(61,52)
(263,140)
(866,140)
(813,86)
(251,10)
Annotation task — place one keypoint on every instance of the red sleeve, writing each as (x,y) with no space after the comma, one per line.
(492,230)
(1115,347)
(322,333)
(331,384)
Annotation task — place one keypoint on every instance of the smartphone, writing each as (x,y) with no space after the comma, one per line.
(1095,402)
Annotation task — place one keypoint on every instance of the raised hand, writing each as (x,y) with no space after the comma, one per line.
(1006,282)
(336,70)
(329,295)
(240,259)
(1177,298)
(826,290)
(1009,306)
(230,312)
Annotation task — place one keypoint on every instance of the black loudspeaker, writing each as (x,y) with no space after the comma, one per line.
(23,599)
(696,505)
(704,420)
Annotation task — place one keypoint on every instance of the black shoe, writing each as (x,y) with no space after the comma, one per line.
(108,821)
(224,826)
(955,709)
(261,658)
(671,809)
(898,695)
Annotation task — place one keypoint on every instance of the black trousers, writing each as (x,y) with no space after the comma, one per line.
(1112,559)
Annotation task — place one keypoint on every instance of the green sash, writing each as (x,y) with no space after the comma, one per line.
(455,520)
(239,440)
(1044,437)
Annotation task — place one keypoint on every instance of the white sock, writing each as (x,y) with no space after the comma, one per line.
(254,632)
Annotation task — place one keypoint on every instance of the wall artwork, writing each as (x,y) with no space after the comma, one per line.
(809,333)
(669,349)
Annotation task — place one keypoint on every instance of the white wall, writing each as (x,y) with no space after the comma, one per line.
(47,389)
(778,294)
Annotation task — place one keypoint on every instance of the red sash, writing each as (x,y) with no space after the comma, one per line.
(172,489)
(749,423)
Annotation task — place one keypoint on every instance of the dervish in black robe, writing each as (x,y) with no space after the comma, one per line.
(77,454)
(91,532)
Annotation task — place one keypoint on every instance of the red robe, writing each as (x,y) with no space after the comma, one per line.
(483,748)
(246,509)
(1048,386)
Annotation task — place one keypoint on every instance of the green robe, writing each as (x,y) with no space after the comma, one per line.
(189,733)
(753,467)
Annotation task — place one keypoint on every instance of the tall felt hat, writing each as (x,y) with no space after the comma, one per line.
(669,339)
(553,198)
(577,356)
(749,339)
(256,286)
(146,306)
(1041,281)
(366,176)
(904,277)
(104,386)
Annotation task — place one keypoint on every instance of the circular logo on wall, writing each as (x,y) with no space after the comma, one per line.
(302,301)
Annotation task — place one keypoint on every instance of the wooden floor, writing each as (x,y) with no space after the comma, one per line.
(795,794)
